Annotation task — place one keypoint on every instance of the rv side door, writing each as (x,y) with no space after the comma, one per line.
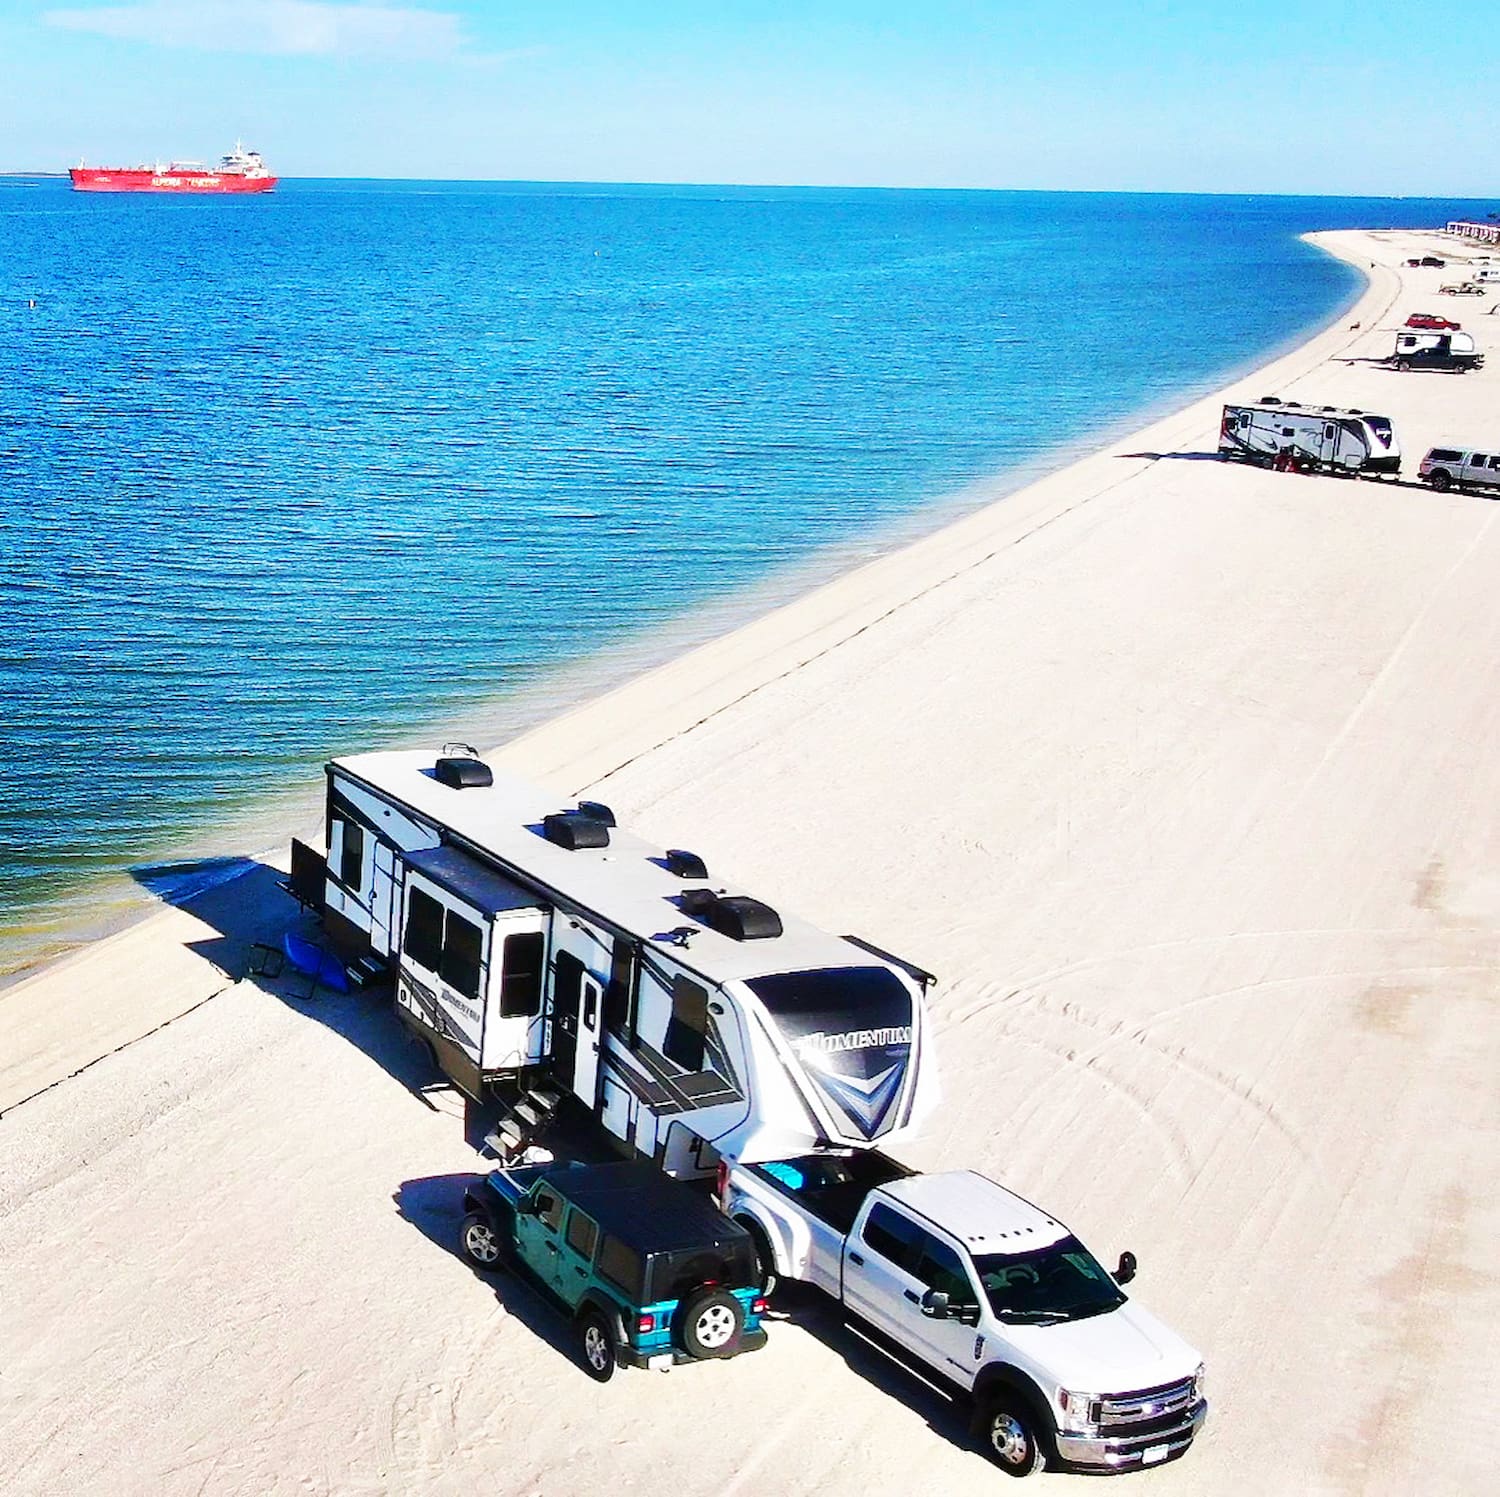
(581,959)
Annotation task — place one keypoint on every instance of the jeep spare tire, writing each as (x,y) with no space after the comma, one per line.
(712,1323)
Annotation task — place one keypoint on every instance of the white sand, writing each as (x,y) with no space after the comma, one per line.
(1182,776)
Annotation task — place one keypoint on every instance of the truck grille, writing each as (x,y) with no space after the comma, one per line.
(1141,1412)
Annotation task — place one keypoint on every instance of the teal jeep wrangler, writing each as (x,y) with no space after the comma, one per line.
(650,1271)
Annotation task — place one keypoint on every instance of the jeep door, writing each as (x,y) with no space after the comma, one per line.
(575,1257)
(539,1232)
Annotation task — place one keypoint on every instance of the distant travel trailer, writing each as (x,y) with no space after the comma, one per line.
(1460,468)
(1451,351)
(1314,438)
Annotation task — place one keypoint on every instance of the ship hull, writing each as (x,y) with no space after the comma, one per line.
(106,179)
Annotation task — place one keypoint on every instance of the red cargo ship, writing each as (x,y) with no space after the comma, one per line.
(239,171)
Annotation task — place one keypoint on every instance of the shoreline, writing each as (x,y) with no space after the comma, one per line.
(261,832)
(1177,772)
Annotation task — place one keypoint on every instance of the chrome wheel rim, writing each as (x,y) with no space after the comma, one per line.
(715,1325)
(1008,1436)
(482,1244)
(595,1348)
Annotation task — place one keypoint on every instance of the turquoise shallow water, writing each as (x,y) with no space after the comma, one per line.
(297,475)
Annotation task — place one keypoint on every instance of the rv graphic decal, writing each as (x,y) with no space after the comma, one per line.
(852,1029)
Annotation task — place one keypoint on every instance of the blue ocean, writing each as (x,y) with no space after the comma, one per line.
(357,463)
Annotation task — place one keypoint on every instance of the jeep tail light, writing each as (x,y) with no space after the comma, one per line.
(758,1304)
(645,1324)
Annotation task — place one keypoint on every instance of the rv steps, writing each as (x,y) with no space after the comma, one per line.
(527,1117)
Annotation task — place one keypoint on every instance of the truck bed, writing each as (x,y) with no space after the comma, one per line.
(830,1187)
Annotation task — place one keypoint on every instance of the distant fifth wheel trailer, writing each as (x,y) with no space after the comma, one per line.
(1311,438)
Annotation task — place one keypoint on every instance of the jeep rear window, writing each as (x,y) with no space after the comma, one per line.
(676,1275)
(621,1265)
(582,1234)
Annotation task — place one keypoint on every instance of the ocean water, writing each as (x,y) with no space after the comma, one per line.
(353,462)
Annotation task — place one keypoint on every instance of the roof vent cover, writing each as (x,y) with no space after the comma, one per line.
(575,832)
(685,864)
(596,810)
(741,918)
(463,774)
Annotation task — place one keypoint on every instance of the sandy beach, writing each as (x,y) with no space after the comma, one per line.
(1181,775)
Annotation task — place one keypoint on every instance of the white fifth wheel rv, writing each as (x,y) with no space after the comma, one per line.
(530,943)
(1315,436)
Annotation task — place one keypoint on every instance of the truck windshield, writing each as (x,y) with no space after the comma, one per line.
(1060,1282)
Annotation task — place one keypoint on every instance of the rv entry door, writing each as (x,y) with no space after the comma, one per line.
(581,957)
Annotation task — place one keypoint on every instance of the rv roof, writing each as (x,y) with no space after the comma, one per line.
(626,884)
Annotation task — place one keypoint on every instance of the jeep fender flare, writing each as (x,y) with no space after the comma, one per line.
(593,1300)
(998,1377)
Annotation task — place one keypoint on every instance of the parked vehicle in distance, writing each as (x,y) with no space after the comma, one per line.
(1433,261)
(1453,352)
(1315,438)
(1462,288)
(986,1295)
(650,1272)
(1432,320)
(1460,468)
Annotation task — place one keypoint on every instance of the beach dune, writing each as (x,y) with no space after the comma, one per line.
(1182,777)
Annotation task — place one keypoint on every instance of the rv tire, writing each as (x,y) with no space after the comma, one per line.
(596,1344)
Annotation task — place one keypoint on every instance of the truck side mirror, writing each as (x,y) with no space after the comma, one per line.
(935,1304)
(1126,1271)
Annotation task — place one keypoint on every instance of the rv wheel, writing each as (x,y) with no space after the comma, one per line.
(597,1345)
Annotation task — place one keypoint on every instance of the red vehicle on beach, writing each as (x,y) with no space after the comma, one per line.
(1433,321)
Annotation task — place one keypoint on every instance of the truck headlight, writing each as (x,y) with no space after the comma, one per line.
(1200,1381)
(1077,1410)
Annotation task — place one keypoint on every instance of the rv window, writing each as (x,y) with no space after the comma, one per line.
(619,997)
(352,856)
(423,941)
(1328,432)
(582,1234)
(1287,431)
(1244,418)
(688,1025)
(521,975)
(463,945)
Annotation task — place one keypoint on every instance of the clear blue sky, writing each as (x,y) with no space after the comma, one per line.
(1191,95)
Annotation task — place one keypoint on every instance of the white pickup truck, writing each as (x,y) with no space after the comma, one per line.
(986,1294)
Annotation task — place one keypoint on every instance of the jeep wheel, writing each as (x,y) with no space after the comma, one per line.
(481,1248)
(713,1321)
(597,1344)
(1010,1438)
(1441,480)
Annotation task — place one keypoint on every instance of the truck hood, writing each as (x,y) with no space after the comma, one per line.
(1124,1351)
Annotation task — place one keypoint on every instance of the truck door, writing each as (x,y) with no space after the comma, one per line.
(580,965)
(887,1271)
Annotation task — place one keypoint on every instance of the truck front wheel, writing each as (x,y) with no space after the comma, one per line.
(1010,1437)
